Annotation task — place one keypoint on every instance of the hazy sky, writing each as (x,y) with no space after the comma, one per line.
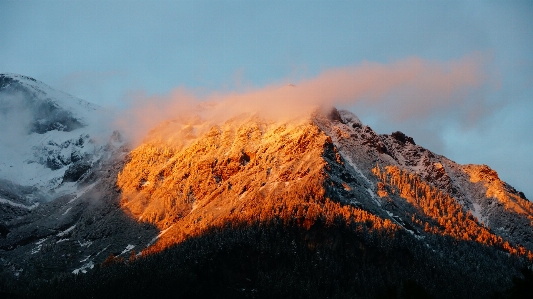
(108,51)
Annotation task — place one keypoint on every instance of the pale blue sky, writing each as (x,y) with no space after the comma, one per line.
(102,51)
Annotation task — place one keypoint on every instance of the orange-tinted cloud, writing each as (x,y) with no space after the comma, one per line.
(405,89)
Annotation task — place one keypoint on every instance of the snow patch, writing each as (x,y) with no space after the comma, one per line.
(85,259)
(476,211)
(127,249)
(354,166)
(61,234)
(85,244)
(102,250)
(374,198)
(83,269)
(41,241)
(371,185)
(18,205)
(159,235)
(36,249)
(40,159)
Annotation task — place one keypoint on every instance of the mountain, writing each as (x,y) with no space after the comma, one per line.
(49,138)
(316,207)
(53,148)
(250,170)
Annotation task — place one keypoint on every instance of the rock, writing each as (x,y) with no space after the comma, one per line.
(401,137)
(76,171)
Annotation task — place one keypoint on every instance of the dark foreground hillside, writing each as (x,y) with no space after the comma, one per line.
(276,261)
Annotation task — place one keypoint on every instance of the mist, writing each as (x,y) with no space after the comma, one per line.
(408,89)
(15,120)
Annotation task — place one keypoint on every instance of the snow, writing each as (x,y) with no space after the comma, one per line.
(127,249)
(81,191)
(85,259)
(18,205)
(41,241)
(83,268)
(39,246)
(66,211)
(102,250)
(475,211)
(23,155)
(85,244)
(81,108)
(349,117)
(36,249)
(29,149)
(371,185)
(159,235)
(63,233)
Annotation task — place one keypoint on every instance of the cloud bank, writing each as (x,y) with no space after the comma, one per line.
(404,90)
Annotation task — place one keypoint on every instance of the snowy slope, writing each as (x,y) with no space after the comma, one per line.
(57,194)
(47,133)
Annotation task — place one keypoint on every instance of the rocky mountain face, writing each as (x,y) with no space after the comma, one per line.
(249,170)
(58,165)
(48,138)
(310,207)
(49,141)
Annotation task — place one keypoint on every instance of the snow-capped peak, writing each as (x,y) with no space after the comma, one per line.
(46,134)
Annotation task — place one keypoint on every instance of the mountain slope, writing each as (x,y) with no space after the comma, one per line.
(271,208)
(49,138)
(474,189)
(248,170)
(59,210)
(320,207)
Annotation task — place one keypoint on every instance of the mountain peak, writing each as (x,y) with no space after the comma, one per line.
(379,201)
(248,162)
(45,132)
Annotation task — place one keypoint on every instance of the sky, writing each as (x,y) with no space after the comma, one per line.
(457,76)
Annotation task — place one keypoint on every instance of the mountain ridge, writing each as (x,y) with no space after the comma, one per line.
(47,133)
(356,154)
(329,185)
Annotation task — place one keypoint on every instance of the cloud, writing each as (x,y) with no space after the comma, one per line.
(408,89)
(15,118)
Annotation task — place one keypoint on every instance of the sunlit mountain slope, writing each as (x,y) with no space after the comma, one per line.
(248,170)
(249,207)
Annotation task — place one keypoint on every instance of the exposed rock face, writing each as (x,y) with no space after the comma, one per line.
(245,170)
(76,171)
(250,170)
(72,233)
(476,189)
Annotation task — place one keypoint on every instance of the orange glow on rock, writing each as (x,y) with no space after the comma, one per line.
(439,213)
(495,188)
(242,172)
